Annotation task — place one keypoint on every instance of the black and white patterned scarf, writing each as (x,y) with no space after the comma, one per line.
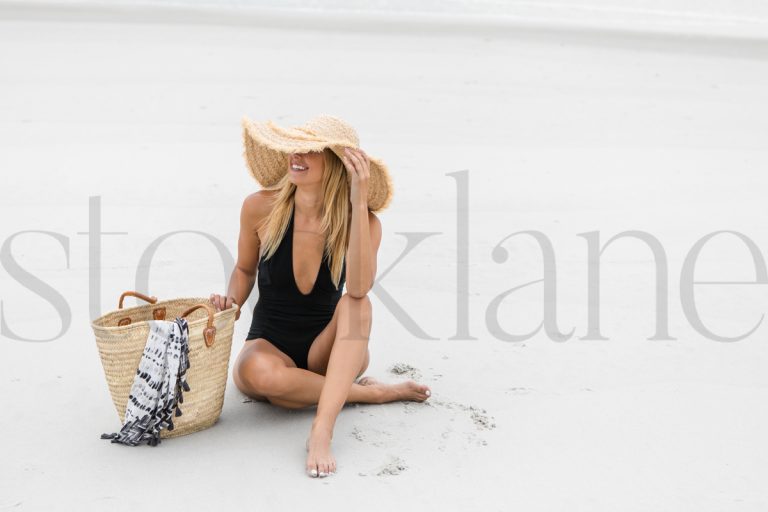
(157,387)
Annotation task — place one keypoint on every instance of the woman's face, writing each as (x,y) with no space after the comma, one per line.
(306,168)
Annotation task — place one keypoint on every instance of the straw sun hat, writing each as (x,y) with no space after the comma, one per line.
(268,148)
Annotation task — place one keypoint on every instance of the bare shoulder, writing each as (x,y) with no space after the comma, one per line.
(259,203)
(256,208)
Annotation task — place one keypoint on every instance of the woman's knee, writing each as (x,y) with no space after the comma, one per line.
(259,374)
(360,307)
(363,302)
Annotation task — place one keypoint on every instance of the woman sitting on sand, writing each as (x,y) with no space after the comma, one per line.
(308,342)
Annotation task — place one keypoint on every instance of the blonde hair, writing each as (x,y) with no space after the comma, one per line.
(336,214)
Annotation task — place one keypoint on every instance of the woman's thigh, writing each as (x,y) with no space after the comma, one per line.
(257,355)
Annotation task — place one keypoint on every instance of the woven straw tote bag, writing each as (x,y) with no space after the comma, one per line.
(122,334)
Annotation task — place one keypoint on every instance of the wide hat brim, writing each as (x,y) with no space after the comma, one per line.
(268,148)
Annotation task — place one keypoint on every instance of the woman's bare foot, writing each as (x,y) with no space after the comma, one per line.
(408,390)
(320,460)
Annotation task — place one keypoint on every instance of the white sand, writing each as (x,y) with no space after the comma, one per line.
(561,132)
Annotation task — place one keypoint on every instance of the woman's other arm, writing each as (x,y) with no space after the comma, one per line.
(248,246)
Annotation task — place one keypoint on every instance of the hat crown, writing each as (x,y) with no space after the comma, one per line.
(331,128)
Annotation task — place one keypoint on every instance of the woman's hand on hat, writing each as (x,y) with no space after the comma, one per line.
(358,164)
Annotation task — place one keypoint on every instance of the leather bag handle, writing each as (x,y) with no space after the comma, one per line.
(157,313)
(141,296)
(209,333)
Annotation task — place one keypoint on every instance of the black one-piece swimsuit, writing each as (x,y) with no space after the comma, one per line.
(283,315)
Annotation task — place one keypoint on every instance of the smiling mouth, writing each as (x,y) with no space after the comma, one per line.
(295,167)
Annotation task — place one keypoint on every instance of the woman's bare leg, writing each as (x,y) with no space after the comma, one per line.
(264,373)
(345,362)
(273,376)
(350,344)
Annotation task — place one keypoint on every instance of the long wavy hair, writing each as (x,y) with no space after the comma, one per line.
(336,214)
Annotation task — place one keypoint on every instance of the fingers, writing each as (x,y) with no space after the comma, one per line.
(351,164)
(359,161)
(353,156)
(367,162)
(220,302)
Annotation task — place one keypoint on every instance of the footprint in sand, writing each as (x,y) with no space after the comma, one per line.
(478,415)
(519,390)
(357,434)
(481,419)
(406,370)
(394,467)
(371,436)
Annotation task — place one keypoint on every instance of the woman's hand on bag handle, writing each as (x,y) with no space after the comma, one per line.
(222,302)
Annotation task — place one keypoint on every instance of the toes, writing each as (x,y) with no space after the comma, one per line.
(328,469)
(420,391)
(319,465)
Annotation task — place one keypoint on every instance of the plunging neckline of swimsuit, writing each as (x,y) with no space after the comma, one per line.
(293,273)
